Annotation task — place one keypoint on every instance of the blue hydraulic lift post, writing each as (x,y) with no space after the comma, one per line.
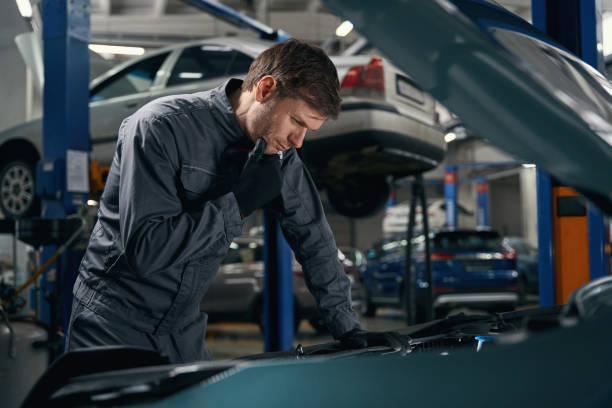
(545,239)
(66,34)
(482,202)
(278,288)
(450,196)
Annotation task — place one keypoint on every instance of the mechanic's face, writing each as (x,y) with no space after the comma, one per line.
(281,122)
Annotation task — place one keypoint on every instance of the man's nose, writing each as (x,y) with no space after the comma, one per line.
(297,138)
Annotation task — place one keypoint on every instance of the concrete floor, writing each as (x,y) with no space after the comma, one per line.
(233,340)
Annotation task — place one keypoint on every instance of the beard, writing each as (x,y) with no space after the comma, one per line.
(264,125)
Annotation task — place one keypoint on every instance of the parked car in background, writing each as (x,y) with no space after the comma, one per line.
(470,268)
(526,262)
(395,220)
(236,291)
(354,263)
(387,126)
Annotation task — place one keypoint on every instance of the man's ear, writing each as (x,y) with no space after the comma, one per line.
(266,87)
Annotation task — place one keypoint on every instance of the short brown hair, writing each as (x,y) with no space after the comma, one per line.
(301,71)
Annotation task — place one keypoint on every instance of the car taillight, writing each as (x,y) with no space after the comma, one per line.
(366,77)
(511,254)
(438,289)
(441,256)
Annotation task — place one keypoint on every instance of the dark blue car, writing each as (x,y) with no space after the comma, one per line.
(470,268)
(526,262)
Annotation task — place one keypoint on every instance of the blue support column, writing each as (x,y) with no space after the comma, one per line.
(598,259)
(450,196)
(482,202)
(66,34)
(278,289)
(545,239)
(391,201)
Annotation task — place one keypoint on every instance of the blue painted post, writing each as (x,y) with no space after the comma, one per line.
(66,35)
(546,271)
(391,201)
(450,196)
(482,202)
(278,289)
(545,239)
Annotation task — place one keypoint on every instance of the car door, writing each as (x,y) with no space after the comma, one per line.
(390,272)
(202,67)
(237,282)
(116,98)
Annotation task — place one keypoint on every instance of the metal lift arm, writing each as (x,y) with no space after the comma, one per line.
(235,18)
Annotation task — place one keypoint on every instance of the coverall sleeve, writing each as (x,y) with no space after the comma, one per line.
(156,231)
(306,229)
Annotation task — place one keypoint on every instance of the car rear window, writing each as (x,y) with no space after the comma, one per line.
(468,240)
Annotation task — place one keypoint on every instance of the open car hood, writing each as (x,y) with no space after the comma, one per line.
(504,359)
(506,80)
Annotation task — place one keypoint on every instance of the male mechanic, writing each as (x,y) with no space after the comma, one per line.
(177,195)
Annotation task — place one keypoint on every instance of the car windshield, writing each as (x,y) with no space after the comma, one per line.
(135,79)
(468,241)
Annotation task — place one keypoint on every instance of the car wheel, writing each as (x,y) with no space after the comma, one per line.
(359,196)
(368,309)
(17,190)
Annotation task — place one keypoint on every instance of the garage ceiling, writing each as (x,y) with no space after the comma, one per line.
(152,23)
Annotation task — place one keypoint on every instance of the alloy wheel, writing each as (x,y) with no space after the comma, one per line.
(17,189)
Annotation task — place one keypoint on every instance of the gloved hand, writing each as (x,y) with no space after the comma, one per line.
(260,181)
(357,338)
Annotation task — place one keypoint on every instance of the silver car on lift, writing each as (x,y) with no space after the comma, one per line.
(387,128)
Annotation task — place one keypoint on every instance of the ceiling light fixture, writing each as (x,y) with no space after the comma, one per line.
(25,8)
(116,49)
(449,137)
(344,29)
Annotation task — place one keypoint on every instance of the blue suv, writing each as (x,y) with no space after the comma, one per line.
(470,268)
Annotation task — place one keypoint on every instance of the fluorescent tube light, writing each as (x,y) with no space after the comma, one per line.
(116,49)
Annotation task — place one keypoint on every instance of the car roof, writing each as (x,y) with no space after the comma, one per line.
(248,45)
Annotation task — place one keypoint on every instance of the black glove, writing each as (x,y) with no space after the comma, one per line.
(260,181)
(357,338)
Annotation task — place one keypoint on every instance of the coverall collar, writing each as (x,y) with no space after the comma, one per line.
(227,116)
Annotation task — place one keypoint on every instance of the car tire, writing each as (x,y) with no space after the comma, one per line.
(18,190)
(359,196)
(368,309)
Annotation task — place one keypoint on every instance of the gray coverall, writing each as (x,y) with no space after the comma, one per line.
(166,220)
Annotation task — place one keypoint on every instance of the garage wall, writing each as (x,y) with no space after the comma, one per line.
(529,204)
(13,78)
(505,209)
